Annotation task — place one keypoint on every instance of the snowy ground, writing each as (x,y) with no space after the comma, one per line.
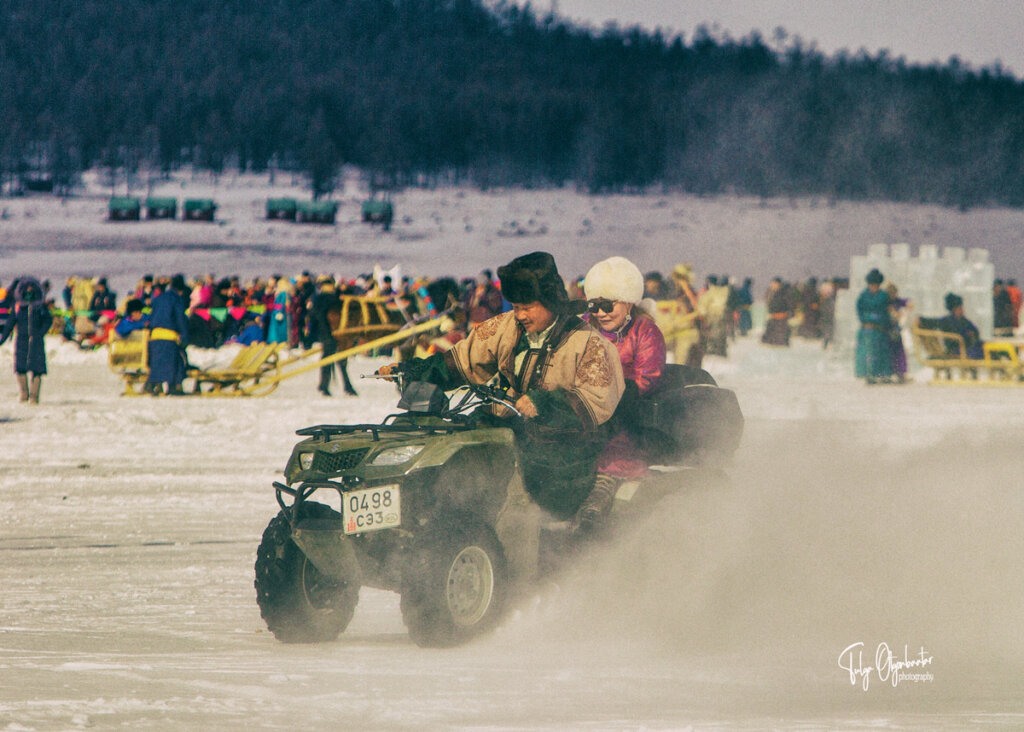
(128,527)
(128,530)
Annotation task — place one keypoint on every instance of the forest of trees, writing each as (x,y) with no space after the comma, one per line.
(490,94)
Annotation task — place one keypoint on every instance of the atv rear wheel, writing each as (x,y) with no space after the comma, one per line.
(454,587)
(299,603)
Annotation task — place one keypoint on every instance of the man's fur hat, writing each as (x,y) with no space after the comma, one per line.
(29,290)
(531,278)
(615,278)
(134,305)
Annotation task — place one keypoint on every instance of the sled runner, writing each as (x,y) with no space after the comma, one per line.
(242,376)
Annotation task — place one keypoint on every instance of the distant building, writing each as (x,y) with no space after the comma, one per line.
(161,208)
(282,208)
(124,208)
(316,212)
(199,209)
(378,211)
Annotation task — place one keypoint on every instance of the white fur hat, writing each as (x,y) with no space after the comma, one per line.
(615,278)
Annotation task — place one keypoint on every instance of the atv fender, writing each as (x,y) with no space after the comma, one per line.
(440,454)
(332,552)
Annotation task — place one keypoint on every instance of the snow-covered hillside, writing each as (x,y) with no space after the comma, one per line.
(460,231)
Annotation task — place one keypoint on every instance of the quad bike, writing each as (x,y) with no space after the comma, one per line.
(430,503)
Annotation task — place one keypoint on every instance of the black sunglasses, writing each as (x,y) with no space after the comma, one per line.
(605,306)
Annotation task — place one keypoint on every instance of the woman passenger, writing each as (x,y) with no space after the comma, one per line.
(614,289)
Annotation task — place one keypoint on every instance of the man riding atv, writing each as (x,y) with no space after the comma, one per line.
(442,501)
(565,378)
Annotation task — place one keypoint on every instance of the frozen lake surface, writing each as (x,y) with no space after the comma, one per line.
(874,515)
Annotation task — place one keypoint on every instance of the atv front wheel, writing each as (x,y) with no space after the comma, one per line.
(299,603)
(454,587)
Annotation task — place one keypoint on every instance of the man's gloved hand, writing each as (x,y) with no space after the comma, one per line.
(389,369)
(526,407)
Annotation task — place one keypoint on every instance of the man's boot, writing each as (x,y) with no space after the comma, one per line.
(23,386)
(33,388)
(591,516)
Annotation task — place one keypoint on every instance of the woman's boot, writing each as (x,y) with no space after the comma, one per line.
(33,388)
(23,386)
(592,515)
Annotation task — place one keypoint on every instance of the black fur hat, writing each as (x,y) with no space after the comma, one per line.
(874,277)
(29,290)
(533,277)
(134,305)
(953,301)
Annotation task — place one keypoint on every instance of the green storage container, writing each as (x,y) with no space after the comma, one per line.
(158,207)
(316,212)
(199,209)
(124,208)
(282,208)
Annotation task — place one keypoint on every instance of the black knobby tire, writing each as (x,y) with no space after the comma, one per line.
(454,586)
(297,601)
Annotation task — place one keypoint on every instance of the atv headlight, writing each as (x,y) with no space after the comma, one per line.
(306,460)
(397,455)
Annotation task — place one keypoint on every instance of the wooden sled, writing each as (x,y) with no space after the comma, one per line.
(127,357)
(243,376)
(363,316)
(946,354)
(396,336)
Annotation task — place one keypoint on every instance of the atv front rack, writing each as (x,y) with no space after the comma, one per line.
(325,431)
(304,491)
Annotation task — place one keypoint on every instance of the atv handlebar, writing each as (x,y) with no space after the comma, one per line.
(495,395)
(483,392)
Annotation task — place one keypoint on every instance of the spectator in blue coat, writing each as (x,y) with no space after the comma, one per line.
(251,332)
(32,318)
(134,319)
(168,337)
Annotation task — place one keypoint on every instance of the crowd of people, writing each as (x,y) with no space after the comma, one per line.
(301,312)
(279,309)
(812,305)
(576,358)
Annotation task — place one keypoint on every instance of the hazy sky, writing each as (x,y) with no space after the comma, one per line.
(978,31)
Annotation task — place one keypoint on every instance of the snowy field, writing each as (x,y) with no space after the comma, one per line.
(881,515)
(856,514)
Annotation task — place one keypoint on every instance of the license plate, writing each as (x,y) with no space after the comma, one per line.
(371,509)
